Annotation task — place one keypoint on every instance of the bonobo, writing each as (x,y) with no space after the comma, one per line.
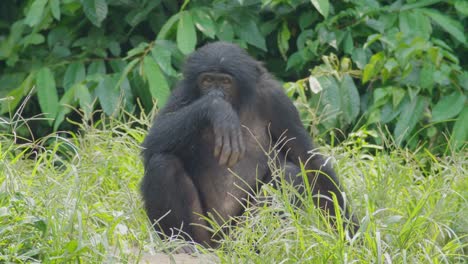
(222,116)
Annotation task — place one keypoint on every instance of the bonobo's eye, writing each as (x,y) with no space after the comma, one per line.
(207,80)
(226,80)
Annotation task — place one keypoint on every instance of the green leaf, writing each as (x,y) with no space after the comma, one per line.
(84,98)
(125,72)
(204,23)
(163,57)
(323,6)
(388,112)
(371,39)
(225,31)
(35,13)
(359,57)
(330,103)
(374,66)
(448,107)
(463,80)
(251,34)
(138,15)
(283,40)
(350,100)
(415,23)
(137,51)
(348,45)
(95,10)
(74,73)
(114,48)
(381,96)
(47,94)
(109,94)
(459,136)
(306,20)
(426,76)
(462,7)
(65,106)
(397,95)
(167,27)
(55,8)
(450,25)
(186,35)
(97,67)
(157,82)
(32,39)
(409,117)
(17,94)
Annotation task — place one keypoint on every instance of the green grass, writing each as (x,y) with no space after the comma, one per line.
(77,200)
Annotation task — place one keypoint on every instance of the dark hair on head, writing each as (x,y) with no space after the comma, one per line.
(224,57)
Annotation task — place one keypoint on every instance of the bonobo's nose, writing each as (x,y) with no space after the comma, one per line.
(217,91)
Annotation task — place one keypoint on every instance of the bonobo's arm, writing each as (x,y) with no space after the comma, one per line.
(179,123)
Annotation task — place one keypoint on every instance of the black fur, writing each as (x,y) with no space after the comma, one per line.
(182,174)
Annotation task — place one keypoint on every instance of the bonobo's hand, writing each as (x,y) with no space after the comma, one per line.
(229,145)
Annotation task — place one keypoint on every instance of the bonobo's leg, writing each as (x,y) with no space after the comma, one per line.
(318,181)
(169,191)
(321,184)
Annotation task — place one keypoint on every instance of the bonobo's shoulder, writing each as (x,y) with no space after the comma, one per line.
(269,85)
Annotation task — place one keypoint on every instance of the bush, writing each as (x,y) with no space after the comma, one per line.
(400,64)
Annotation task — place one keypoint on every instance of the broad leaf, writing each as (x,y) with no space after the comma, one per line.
(374,66)
(95,10)
(225,31)
(323,6)
(426,76)
(459,136)
(97,67)
(85,99)
(251,34)
(205,23)
(163,57)
(167,27)
(157,82)
(75,73)
(409,117)
(462,7)
(415,23)
(108,94)
(186,35)
(330,101)
(350,101)
(55,8)
(32,39)
(359,57)
(35,13)
(397,95)
(17,94)
(448,107)
(453,27)
(65,106)
(47,94)
(283,40)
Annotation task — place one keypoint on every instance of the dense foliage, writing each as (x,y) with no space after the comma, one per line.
(398,63)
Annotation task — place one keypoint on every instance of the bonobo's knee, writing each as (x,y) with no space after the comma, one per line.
(293,175)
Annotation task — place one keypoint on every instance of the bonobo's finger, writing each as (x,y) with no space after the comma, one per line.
(226,151)
(218,142)
(241,145)
(235,152)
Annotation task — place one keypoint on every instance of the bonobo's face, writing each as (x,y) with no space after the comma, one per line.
(219,83)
